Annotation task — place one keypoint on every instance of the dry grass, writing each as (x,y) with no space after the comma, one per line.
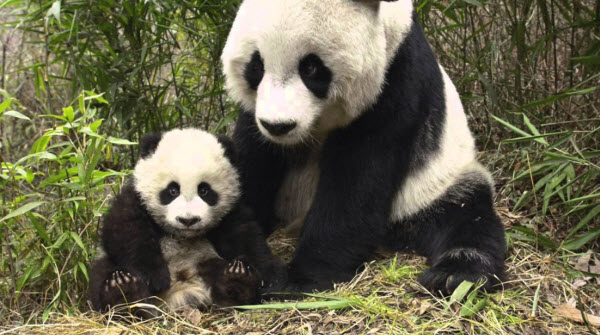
(385,299)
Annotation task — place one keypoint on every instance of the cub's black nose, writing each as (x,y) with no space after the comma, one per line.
(278,129)
(188,221)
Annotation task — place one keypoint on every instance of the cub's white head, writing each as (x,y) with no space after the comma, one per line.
(186,180)
(305,67)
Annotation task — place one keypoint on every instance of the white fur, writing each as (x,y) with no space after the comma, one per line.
(188,208)
(186,255)
(298,190)
(456,156)
(355,39)
(187,157)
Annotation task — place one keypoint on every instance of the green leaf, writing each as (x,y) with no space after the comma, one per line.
(474,2)
(532,128)
(68,114)
(77,240)
(84,270)
(17,115)
(39,228)
(5,104)
(511,127)
(23,209)
(120,141)
(579,242)
(590,215)
(54,10)
(94,126)
(461,291)
(60,240)
(473,305)
(330,304)
(537,238)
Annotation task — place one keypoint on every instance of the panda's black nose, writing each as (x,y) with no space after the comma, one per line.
(279,128)
(188,221)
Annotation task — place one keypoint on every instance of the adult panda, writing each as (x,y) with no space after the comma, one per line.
(349,125)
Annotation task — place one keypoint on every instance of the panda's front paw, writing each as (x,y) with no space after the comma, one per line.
(123,287)
(464,264)
(238,285)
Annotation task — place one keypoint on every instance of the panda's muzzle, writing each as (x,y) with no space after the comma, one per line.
(279,128)
(188,222)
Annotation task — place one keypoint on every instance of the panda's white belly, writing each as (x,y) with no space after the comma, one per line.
(183,257)
(297,191)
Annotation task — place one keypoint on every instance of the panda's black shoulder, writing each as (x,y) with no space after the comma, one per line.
(127,210)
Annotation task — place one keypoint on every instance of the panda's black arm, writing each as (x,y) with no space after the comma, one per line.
(262,166)
(348,217)
(131,240)
(239,235)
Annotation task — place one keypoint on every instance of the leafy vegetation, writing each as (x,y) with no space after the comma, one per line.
(80,81)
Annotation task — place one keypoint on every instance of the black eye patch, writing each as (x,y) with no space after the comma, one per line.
(315,75)
(208,194)
(254,71)
(170,193)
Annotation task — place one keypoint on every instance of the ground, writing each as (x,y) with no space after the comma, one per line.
(542,296)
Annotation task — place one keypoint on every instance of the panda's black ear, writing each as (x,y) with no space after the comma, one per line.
(149,143)
(229,147)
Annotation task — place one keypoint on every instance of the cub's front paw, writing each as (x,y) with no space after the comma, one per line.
(238,285)
(122,287)
(464,264)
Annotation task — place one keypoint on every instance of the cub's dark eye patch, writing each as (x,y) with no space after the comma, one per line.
(208,194)
(315,75)
(170,193)
(255,70)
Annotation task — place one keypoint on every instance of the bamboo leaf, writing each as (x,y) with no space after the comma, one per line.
(23,209)
(17,115)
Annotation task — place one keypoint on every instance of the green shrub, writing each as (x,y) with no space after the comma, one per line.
(51,201)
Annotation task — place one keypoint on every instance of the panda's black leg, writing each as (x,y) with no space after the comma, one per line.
(464,240)
(232,283)
(111,286)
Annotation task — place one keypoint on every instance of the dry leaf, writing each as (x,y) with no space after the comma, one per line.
(579,283)
(583,263)
(192,315)
(574,314)
(424,307)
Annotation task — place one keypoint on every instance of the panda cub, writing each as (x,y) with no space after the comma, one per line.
(177,231)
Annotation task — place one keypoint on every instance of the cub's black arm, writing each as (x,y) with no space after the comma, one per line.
(240,236)
(131,240)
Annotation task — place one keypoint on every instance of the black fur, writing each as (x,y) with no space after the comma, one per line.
(170,193)
(149,143)
(255,70)
(208,194)
(229,147)
(131,241)
(315,75)
(231,288)
(361,168)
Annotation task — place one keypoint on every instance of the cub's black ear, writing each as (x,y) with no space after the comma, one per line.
(149,143)
(230,151)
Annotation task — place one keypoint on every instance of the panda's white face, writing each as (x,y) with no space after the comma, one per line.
(306,67)
(187,184)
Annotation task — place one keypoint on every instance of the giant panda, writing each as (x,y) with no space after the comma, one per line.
(177,231)
(349,126)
